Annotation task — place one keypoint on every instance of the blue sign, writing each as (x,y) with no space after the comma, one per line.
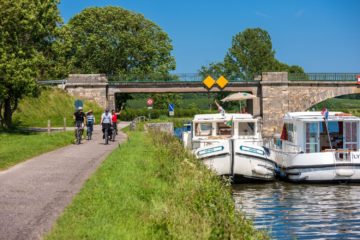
(78,103)
(171,107)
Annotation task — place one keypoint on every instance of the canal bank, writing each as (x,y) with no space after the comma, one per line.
(151,188)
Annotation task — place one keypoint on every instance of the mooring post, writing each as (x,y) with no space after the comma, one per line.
(64,124)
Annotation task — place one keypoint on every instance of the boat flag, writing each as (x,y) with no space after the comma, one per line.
(284,135)
(325,113)
(229,122)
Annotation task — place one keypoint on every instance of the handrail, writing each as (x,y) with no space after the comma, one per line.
(323,76)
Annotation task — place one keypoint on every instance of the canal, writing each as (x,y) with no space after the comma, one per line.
(299,211)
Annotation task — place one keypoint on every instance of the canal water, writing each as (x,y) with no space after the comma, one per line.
(302,211)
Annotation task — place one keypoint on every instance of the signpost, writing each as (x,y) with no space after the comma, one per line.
(171,109)
(149,103)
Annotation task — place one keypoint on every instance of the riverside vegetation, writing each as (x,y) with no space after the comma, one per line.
(152,188)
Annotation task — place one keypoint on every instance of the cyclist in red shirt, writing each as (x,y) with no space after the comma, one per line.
(115,116)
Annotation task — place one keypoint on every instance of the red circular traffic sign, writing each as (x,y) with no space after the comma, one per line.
(150,101)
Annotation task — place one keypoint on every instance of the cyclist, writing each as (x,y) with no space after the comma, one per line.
(90,121)
(114,118)
(79,117)
(106,122)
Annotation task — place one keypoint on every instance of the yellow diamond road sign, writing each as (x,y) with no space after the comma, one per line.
(222,82)
(209,82)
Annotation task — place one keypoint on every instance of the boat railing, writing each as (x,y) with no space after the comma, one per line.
(341,154)
(283,146)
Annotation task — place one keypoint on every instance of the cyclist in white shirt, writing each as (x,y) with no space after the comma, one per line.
(106,121)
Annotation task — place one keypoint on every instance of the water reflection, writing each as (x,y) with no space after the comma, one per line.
(293,211)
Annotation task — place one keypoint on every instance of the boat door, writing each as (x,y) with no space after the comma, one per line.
(312,137)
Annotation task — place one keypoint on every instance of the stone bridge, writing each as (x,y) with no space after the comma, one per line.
(276,94)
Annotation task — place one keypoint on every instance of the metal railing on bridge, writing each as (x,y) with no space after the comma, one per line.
(323,76)
(52,82)
(178,77)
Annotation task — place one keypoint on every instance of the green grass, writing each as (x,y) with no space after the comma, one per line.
(17,147)
(53,104)
(151,188)
(339,104)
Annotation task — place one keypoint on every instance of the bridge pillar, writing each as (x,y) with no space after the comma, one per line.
(92,87)
(275,101)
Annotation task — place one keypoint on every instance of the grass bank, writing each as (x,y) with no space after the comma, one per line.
(17,147)
(53,104)
(150,188)
(340,104)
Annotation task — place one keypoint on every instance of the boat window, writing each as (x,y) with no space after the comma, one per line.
(290,132)
(312,140)
(224,129)
(351,135)
(203,129)
(333,133)
(246,128)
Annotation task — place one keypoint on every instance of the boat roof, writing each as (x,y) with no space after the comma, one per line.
(221,117)
(318,117)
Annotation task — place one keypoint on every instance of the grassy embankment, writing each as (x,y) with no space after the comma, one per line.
(151,188)
(16,147)
(53,104)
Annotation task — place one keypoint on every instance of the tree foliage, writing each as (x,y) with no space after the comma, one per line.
(251,54)
(29,50)
(112,40)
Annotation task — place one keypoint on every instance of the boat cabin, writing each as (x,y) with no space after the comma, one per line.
(222,126)
(309,132)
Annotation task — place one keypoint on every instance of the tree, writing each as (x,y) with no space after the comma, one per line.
(28,49)
(112,40)
(251,54)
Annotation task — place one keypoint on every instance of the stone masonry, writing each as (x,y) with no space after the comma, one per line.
(91,87)
(279,96)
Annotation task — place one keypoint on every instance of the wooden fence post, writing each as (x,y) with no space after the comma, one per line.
(49,127)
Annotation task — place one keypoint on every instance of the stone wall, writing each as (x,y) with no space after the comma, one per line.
(280,96)
(91,87)
(167,127)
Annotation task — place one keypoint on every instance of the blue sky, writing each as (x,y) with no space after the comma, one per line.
(319,35)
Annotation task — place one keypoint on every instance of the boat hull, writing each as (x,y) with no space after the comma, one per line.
(217,157)
(321,168)
(252,162)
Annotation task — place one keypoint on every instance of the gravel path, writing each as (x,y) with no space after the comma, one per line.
(34,193)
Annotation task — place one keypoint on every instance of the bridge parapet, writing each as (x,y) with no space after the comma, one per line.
(87,78)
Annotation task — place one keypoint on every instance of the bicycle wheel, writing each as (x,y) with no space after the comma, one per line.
(78,136)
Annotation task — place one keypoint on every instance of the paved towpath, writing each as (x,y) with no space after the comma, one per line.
(34,193)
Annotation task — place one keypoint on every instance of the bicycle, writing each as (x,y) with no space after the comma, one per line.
(106,128)
(89,130)
(113,132)
(78,133)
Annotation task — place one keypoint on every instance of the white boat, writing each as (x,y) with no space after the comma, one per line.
(307,152)
(231,145)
